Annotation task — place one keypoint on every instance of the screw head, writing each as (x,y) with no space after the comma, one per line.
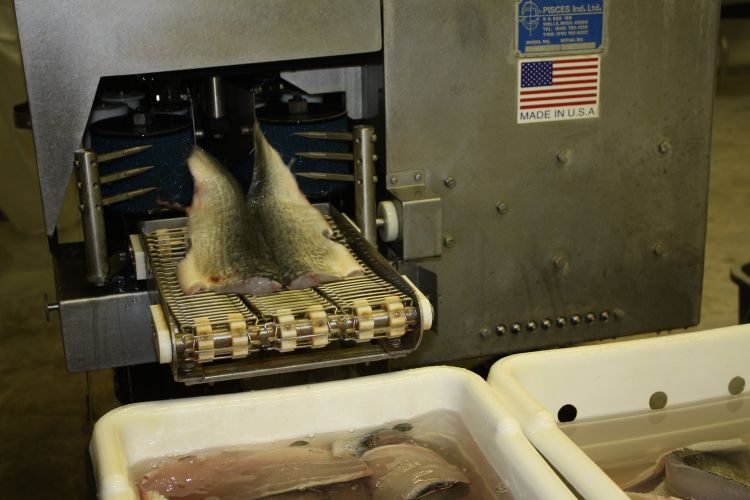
(501,207)
(394,180)
(604,316)
(590,317)
(560,322)
(560,262)
(665,147)
(501,330)
(450,182)
(659,250)
(418,177)
(575,320)
(515,328)
(546,324)
(449,241)
(484,333)
(564,156)
(531,326)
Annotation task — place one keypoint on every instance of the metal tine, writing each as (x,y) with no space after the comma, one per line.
(330,136)
(122,153)
(117,198)
(325,155)
(124,174)
(326,176)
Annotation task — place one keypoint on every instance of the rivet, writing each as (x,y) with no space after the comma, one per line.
(484,333)
(665,147)
(546,324)
(501,207)
(658,250)
(418,177)
(531,326)
(564,155)
(619,313)
(394,180)
(500,330)
(575,320)
(604,316)
(449,241)
(560,262)
(590,317)
(450,182)
(560,322)
(515,328)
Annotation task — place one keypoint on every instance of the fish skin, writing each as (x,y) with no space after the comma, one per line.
(409,471)
(296,232)
(225,255)
(236,475)
(704,476)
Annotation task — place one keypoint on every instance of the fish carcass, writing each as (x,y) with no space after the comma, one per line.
(226,253)
(296,232)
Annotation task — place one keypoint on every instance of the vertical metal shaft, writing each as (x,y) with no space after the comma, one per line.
(364,181)
(216,98)
(92,216)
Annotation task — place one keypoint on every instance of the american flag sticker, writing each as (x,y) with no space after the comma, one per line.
(558,88)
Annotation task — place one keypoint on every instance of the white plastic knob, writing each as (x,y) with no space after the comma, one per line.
(389,230)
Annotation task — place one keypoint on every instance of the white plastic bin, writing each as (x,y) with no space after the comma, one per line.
(130,434)
(698,378)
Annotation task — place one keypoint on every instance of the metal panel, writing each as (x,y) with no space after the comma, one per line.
(68,45)
(101,327)
(598,222)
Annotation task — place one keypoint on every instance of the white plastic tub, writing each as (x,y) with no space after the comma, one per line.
(613,388)
(130,434)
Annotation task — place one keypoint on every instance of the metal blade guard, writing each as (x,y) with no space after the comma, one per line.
(210,336)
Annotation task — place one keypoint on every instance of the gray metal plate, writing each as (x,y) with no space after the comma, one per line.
(68,45)
(624,221)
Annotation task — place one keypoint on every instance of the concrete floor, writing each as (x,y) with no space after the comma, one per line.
(45,418)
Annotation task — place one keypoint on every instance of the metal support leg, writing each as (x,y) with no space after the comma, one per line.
(364,181)
(92,216)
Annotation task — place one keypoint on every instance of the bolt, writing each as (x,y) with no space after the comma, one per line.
(658,250)
(450,182)
(575,320)
(515,328)
(418,177)
(560,262)
(484,333)
(665,147)
(394,180)
(531,326)
(449,241)
(563,156)
(546,324)
(590,317)
(604,316)
(501,207)
(560,322)
(500,330)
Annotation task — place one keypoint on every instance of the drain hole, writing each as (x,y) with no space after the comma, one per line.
(567,413)
(658,400)
(736,385)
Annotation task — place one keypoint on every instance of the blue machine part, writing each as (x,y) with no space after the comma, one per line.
(171,139)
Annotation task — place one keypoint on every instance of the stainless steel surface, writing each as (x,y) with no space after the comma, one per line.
(364,182)
(420,228)
(102,327)
(92,216)
(216,98)
(68,46)
(332,318)
(450,99)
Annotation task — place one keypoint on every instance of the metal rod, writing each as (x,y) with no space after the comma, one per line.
(124,174)
(322,155)
(326,176)
(117,198)
(122,153)
(330,136)
(216,97)
(92,216)
(364,182)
